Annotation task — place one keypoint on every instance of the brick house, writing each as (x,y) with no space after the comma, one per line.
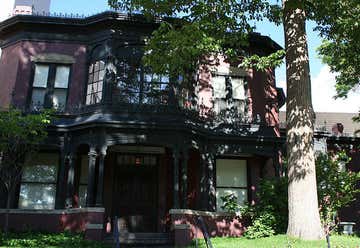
(127,142)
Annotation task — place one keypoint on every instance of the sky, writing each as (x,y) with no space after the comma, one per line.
(323,81)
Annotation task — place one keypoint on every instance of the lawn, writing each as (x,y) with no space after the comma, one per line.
(282,241)
(39,240)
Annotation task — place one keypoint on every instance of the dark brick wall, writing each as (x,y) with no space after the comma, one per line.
(16,69)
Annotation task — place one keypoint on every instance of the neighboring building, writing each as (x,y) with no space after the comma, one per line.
(130,143)
(29,7)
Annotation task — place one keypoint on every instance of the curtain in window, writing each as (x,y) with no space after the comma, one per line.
(231,178)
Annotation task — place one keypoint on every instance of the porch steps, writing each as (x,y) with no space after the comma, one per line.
(139,240)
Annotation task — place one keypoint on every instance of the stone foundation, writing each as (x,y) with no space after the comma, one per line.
(186,228)
(54,221)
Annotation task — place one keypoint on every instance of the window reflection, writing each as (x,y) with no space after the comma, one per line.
(38,182)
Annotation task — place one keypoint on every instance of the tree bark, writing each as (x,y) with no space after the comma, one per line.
(304,218)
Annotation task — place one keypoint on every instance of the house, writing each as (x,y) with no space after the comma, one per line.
(128,143)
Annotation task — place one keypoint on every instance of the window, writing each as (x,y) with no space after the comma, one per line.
(229,93)
(231,178)
(38,182)
(94,90)
(83,180)
(50,86)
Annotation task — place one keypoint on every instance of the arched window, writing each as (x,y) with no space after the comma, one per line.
(95,85)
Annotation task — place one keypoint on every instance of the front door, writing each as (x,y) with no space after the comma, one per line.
(135,192)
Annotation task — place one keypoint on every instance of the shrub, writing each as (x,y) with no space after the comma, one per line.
(269,216)
(35,240)
(336,185)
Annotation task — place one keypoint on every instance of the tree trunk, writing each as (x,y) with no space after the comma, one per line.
(304,218)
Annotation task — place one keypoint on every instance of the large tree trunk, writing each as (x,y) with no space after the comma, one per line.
(304,218)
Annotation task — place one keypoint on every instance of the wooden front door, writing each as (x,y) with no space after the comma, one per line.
(135,192)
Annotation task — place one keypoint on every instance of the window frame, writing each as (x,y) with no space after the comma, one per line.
(248,178)
(93,63)
(42,183)
(228,96)
(50,85)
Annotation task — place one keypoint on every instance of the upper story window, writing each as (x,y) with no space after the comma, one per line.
(229,93)
(50,86)
(94,92)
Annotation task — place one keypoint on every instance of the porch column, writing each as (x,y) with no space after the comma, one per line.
(211,181)
(70,160)
(176,204)
(91,177)
(185,177)
(207,181)
(61,184)
(100,181)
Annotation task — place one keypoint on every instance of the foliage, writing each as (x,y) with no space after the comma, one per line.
(338,23)
(262,226)
(336,186)
(230,203)
(280,241)
(19,135)
(269,216)
(201,29)
(36,240)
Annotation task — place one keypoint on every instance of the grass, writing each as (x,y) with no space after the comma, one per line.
(32,240)
(280,241)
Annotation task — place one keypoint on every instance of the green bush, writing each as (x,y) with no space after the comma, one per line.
(36,240)
(269,215)
(336,185)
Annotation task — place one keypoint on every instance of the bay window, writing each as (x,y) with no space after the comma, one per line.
(94,91)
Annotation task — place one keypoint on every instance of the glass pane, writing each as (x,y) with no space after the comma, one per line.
(96,76)
(38,97)
(219,86)
(102,65)
(41,75)
(37,196)
(231,173)
(41,167)
(97,66)
(91,68)
(82,195)
(100,86)
(59,98)
(238,90)
(62,77)
(88,99)
(241,195)
(98,97)
(101,74)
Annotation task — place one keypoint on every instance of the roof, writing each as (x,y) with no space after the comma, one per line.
(81,22)
(325,121)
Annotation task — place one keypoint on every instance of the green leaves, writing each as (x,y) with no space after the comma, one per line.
(263,63)
(338,23)
(336,185)
(202,29)
(20,135)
